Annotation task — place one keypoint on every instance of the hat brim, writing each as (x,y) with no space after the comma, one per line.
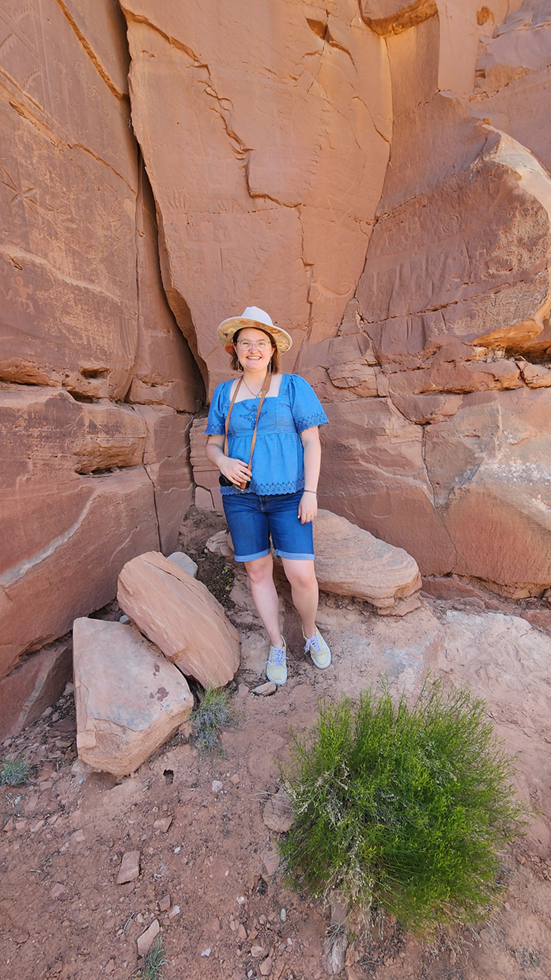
(228,329)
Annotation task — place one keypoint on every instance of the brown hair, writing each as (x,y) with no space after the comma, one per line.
(235,365)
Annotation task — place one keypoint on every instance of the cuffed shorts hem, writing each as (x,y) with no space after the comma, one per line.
(254,520)
(286,554)
(259,554)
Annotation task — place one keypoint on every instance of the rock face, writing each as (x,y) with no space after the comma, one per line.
(129,699)
(375,174)
(452,306)
(279,164)
(181,617)
(87,482)
(350,561)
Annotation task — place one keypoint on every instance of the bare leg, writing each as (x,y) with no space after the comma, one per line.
(304,589)
(260,572)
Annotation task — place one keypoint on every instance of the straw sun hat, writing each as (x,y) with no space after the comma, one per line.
(253,316)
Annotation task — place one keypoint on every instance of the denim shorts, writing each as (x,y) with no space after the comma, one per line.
(253,519)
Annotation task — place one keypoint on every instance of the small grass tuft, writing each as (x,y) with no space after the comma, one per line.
(154,960)
(214,712)
(404,810)
(15,772)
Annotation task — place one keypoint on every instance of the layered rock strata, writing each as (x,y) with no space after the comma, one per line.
(415,282)
(87,482)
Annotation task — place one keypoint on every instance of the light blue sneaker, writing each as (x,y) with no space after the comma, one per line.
(276,666)
(318,650)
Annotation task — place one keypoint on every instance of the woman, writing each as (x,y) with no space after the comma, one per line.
(280,498)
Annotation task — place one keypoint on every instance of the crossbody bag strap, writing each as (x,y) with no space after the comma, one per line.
(265,389)
(234,396)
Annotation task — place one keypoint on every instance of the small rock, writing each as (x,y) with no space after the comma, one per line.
(21,824)
(352,974)
(257,952)
(241,933)
(334,951)
(278,813)
(184,562)
(175,910)
(58,890)
(36,826)
(217,786)
(124,619)
(69,689)
(9,825)
(109,967)
(271,859)
(46,713)
(220,544)
(147,938)
(130,867)
(20,938)
(65,726)
(206,952)
(216,925)
(162,824)
(234,779)
(266,967)
(283,915)
(264,690)
(164,903)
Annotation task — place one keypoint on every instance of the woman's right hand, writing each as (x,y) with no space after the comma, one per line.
(234,469)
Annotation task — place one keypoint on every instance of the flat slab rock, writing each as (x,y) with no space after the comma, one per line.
(129,698)
(350,561)
(181,617)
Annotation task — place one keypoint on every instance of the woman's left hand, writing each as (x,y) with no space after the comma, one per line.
(308,508)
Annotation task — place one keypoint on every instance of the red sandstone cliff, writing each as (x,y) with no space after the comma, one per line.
(373,173)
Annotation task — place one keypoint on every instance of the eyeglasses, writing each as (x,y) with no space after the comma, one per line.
(249,344)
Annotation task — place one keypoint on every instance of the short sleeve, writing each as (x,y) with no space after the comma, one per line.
(216,425)
(305,405)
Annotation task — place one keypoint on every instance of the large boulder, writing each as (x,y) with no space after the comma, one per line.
(33,685)
(181,616)
(129,698)
(350,561)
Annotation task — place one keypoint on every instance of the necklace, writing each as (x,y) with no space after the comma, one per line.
(257,395)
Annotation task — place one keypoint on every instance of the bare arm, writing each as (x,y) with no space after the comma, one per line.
(234,469)
(308,507)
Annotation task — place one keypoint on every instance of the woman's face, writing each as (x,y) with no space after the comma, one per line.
(257,356)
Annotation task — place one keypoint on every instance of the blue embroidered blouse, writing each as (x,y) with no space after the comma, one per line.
(278,460)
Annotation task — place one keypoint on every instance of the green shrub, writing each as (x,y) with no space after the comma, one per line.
(214,712)
(403,810)
(15,772)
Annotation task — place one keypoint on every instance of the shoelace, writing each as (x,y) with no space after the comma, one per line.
(277,657)
(313,643)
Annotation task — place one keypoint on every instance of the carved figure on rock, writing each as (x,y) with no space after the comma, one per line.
(272,420)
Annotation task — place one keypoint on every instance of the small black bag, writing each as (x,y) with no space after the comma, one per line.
(224,482)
